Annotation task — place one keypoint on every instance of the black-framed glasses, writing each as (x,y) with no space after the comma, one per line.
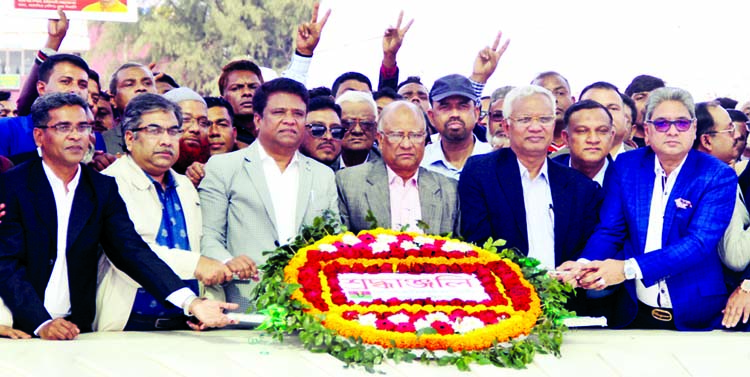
(318,130)
(398,137)
(367,125)
(497,116)
(663,125)
(154,130)
(66,128)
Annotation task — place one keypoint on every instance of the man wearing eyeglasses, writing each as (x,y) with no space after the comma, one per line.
(194,140)
(165,209)
(222,135)
(58,212)
(358,116)
(323,131)
(496,135)
(396,190)
(662,217)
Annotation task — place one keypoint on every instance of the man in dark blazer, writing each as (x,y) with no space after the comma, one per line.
(58,212)
(395,188)
(545,210)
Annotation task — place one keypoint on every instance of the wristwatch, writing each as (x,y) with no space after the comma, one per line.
(745,286)
(630,269)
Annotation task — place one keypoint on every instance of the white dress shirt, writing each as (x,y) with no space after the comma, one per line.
(434,158)
(283,188)
(57,293)
(540,215)
(614,153)
(405,205)
(657,295)
(599,177)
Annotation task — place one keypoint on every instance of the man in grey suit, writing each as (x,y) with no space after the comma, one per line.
(395,188)
(257,198)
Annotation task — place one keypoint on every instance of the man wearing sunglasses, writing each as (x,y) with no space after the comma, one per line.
(662,217)
(358,115)
(321,140)
(396,190)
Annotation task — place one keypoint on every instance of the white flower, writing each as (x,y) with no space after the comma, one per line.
(456,246)
(379,247)
(350,239)
(408,245)
(422,240)
(437,316)
(422,324)
(466,324)
(399,318)
(386,238)
(368,319)
(328,248)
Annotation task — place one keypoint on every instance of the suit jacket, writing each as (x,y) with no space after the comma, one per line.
(688,260)
(116,290)
(365,187)
(492,204)
(28,239)
(238,215)
(373,155)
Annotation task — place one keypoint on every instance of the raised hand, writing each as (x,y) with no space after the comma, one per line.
(308,33)
(392,39)
(56,30)
(486,61)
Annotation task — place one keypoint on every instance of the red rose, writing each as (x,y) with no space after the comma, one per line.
(398,252)
(472,253)
(430,268)
(384,324)
(455,268)
(403,269)
(427,250)
(404,237)
(367,238)
(419,301)
(350,315)
(457,313)
(417,269)
(439,244)
(413,253)
(386,267)
(443,328)
(338,298)
(444,268)
(421,314)
(456,302)
(455,254)
(373,269)
(487,316)
(468,268)
(358,268)
(349,253)
(393,302)
(405,327)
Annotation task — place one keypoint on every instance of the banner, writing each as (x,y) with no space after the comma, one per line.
(97,10)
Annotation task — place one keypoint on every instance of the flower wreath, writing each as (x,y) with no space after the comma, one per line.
(306,289)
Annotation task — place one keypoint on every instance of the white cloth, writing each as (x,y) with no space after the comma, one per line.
(297,69)
(57,293)
(614,153)
(734,246)
(657,295)
(283,188)
(434,158)
(540,215)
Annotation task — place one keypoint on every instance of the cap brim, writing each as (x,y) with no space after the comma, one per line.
(445,95)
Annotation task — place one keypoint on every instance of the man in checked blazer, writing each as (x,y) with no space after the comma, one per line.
(257,198)
(395,188)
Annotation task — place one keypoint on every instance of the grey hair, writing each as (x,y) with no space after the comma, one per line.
(522,92)
(395,105)
(44,104)
(500,93)
(657,96)
(145,103)
(113,80)
(358,97)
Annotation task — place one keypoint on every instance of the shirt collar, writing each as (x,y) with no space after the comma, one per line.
(393,177)
(434,152)
(265,157)
(169,181)
(57,183)
(525,172)
(658,170)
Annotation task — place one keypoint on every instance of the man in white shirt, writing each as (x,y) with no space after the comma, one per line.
(58,212)
(257,198)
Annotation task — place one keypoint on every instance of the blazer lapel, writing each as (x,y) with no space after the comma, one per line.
(44,204)
(257,177)
(83,207)
(429,191)
(644,189)
(509,178)
(562,210)
(305,193)
(679,191)
(377,194)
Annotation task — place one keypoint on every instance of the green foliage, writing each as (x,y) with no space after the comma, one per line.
(545,338)
(192,39)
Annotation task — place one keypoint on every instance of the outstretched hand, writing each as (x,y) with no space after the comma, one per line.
(487,59)
(210,313)
(308,33)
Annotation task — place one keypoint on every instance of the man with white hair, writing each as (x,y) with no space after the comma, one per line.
(544,209)
(358,115)
(395,189)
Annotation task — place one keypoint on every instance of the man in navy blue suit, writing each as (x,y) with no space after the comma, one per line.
(544,209)
(661,220)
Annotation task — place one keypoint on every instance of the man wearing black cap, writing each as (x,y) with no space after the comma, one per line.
(454,112)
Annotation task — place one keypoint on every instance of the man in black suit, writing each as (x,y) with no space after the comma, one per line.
(58,212)
(546,210)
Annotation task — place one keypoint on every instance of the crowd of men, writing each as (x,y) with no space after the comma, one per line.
(148,206)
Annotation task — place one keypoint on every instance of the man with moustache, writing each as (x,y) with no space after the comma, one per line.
(454,113)
(395,189)
(48,264)
(128,81)
(638,90)
(496,135)
(165,210)
(194,140)
(610,97)
(559,86)
(358,115)
(323,131)
(222,135)
(257,198)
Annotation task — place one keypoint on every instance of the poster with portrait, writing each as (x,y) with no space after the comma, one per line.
(97,10)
